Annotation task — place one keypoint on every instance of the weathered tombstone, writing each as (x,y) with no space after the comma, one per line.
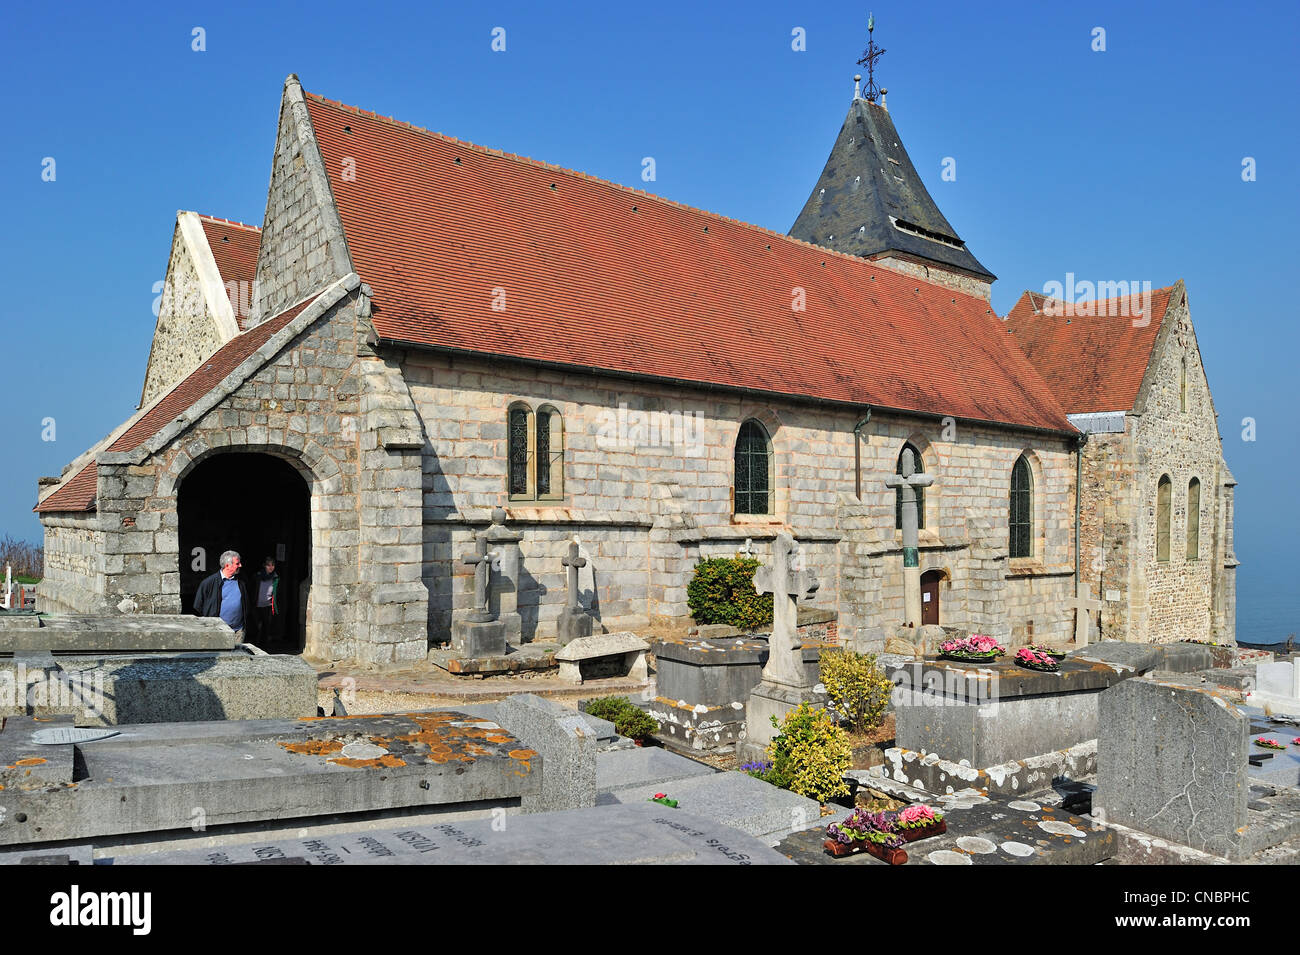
(505,595)
(573,621)
(479,633)
(908,482)
(786,682)
(1082,603)
(1171,762)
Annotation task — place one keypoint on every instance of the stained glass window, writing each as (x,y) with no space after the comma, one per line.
(1162,518)
(1021,518)
(519,456)
(753,469)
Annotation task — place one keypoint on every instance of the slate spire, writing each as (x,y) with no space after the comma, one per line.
(869,200)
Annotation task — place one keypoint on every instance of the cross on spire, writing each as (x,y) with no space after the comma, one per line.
(869,57)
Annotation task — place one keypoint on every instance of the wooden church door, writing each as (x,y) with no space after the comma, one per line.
(930,596)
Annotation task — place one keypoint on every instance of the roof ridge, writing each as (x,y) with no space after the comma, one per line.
(528,160)
(242,225)
(1044,297)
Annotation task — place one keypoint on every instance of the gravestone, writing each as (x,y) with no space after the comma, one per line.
(505,594)
(1082,603)
(480,633)
(907,482)
(604,655)
(573,621)
(1172,763)
(786,681)
(1277,688)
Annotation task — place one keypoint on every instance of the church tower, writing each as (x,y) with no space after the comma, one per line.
(870,201)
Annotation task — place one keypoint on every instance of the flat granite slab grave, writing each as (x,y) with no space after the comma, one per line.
(154,778)
(526,658)
(647,765)
(732,799)
(996,831)
(107,689)
(647,834)
(133,633)
(992,713)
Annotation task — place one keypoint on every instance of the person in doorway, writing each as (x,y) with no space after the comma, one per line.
(268,608)
(223,595)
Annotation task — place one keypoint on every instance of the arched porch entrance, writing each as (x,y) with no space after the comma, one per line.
(259,505)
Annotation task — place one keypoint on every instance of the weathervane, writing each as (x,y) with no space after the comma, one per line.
(869,57)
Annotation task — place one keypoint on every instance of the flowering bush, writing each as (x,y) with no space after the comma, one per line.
(810,755)
(918,817)
(1269,744)
(1036,660)
(863,826)
(857,687)
(977,646)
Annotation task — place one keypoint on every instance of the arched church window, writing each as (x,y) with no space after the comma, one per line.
(536,453)
(920,491)
(1194,519)
(1021,518)
(753,469)
(1162,518)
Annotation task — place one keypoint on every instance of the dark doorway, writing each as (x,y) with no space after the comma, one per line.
(930,596)
(260,506)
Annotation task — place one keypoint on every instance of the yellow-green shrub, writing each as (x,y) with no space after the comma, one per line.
(857,687)
(810,755)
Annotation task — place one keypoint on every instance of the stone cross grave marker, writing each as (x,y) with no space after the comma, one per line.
(909,481)
(482,561)
(573,562)
(748,549)
(1082,603)
(786,579)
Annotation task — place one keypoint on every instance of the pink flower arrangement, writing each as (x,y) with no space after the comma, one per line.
(976,645)
(1267,743)
(1036,660)
(1296,741)
(918,817)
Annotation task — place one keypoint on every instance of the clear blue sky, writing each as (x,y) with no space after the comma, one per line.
(1118,164)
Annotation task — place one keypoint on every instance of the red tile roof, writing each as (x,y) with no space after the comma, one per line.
(234,246)
(604,277)
(1095,357)
(78,493)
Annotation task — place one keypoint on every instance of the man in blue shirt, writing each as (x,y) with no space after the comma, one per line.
(223,595)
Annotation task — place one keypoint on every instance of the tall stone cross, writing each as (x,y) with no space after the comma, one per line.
(482,561)
(909,481)
(786,579)
(1082,603)
(573,562)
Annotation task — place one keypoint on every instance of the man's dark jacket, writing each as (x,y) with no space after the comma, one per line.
(207,599)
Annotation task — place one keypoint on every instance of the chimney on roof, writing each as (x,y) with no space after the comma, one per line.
(857,86)
(883,91)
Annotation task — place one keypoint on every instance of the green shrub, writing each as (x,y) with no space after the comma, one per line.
(722,591)
(857,687)
(628,719)
(811,754)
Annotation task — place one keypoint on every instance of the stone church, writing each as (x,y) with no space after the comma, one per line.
(423,330)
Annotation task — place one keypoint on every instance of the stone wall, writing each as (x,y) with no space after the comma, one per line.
(937,274)
(1108,517)
(647,504)
(74,565)
(1173,600)
(186,333)
(302,248)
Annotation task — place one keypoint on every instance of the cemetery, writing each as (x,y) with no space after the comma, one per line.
(164,739)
